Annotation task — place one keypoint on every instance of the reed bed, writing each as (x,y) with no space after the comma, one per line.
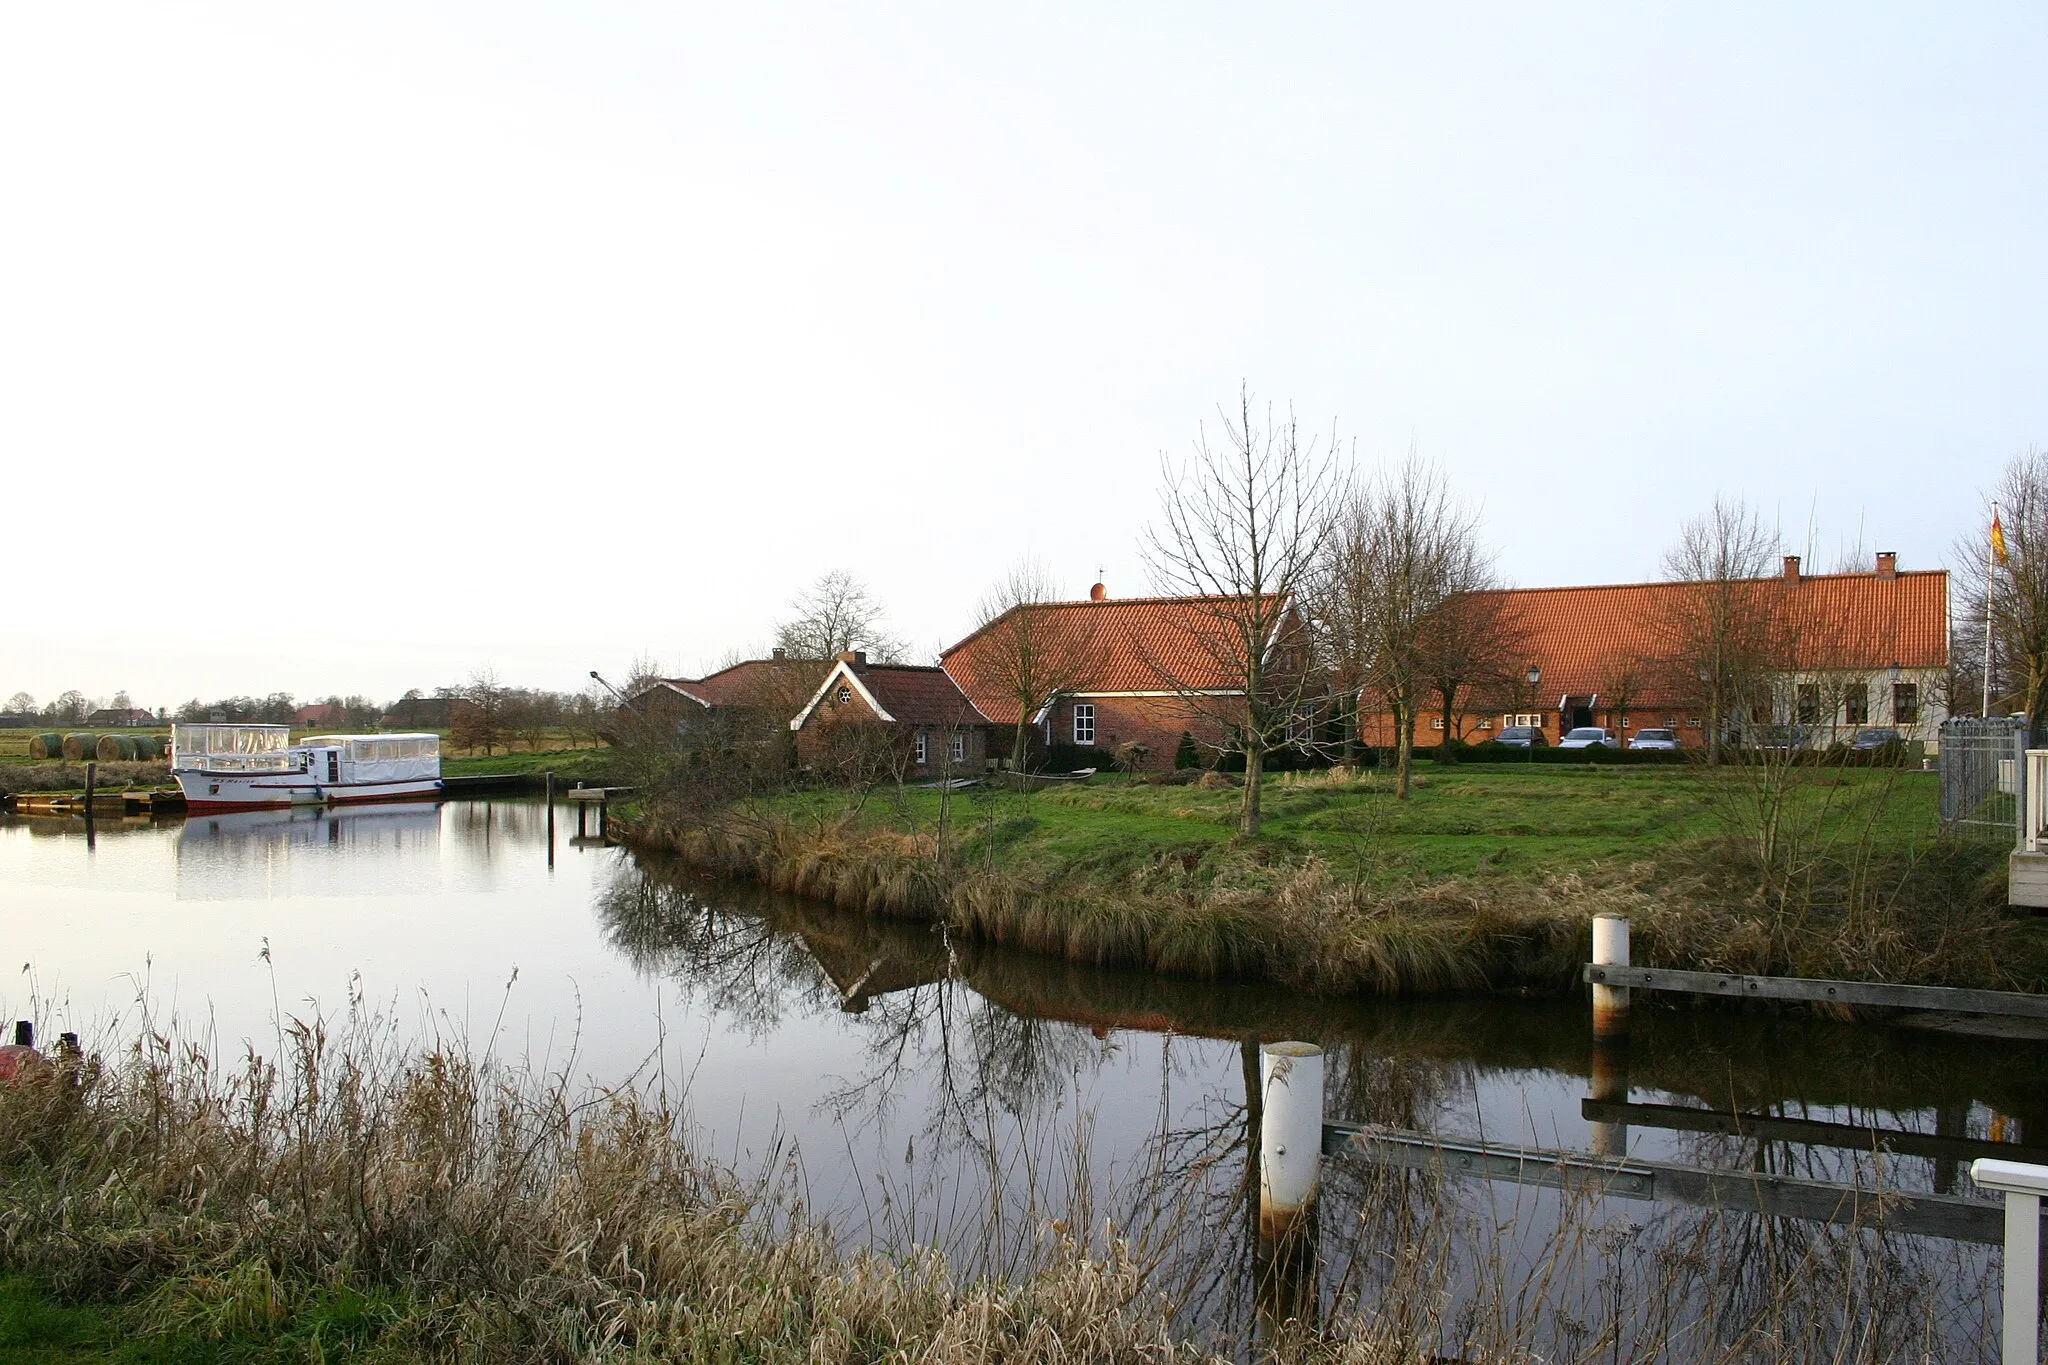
(66,776)
(352,1199)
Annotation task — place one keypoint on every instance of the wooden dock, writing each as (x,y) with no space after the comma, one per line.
(152,801)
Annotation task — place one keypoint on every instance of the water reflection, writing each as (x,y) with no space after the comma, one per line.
(931,1091)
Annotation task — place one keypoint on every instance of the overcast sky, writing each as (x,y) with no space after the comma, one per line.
(346,350)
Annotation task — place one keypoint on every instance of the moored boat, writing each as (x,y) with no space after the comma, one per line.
(253,767)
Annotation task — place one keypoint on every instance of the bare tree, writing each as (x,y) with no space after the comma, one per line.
(834,615)
(1621,682)
(2018,588)
(1030,652)
(21,704)
(1473,641)
(1402,549)
(1721,640)
(1243,524)
(477,719)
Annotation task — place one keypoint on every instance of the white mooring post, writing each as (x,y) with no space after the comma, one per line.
(1290,1133)
(2023,1185)
(1610,1082)
(1610,949)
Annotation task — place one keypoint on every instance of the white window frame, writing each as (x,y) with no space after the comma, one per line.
(921,747)
(842,696)
(959,746)
(1084,723)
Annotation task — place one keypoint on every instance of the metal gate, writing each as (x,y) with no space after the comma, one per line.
(1983,775)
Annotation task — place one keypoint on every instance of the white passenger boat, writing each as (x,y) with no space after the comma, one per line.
(250,767)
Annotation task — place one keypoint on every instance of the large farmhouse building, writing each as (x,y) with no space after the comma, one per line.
(1119,674)
(877,720)
(1850,651)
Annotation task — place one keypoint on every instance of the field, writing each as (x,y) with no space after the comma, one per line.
(1469,820)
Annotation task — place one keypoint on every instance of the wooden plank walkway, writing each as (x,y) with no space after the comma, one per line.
(1734,986)
(1813,1132)
(1753,1192)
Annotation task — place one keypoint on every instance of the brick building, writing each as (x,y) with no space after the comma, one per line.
(1866,649)
(1142,670)
(876,721)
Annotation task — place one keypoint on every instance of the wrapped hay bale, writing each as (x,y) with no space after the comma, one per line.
(149,748)
(79,747)
(46,746)
(112,748)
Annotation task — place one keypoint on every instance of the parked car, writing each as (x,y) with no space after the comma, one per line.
(1875,739)
(1522,737)
(1655,739)
(1587,737)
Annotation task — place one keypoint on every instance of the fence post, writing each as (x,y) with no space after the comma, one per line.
(1610,1003)
(2023,1186)
(1290,1167)
(2021,799)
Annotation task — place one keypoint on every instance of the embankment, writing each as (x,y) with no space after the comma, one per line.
(1250,911)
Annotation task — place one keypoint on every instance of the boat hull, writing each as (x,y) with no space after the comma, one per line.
(269,791)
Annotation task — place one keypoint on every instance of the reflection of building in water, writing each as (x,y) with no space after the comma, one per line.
(310,851)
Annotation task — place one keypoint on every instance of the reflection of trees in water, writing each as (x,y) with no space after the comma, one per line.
(741,965)
(988,1099)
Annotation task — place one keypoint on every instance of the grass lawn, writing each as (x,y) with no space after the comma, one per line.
(1471,819)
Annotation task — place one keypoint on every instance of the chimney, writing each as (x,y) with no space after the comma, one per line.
(857,657)
(1887,563)
(1791,568)
(1097,593)
(779,653)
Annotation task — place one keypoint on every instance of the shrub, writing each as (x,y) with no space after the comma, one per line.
(1067,758)
(1185,754)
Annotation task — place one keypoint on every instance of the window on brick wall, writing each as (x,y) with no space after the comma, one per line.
(959,746)
(1084,722)
(1905,703)
(922,746)
(1856,703)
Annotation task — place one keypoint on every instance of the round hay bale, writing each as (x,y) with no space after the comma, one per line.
(149,748)
(110,748)
(78,747)
(46,746)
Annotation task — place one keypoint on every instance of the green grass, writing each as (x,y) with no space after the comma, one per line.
(570,765)
(1459,821)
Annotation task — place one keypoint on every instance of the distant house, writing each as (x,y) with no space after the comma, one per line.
(1867,649)
(119,715)
(319,713)
(753,699)
(424,713)
(890,720)
(1143,671)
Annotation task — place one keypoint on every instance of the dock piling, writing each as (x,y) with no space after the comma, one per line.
(1610,1003)
(1290,1169)
(2022,1185)
(551,817)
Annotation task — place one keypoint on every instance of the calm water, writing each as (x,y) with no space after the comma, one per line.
(917,1089)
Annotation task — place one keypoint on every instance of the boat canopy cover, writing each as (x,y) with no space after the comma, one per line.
(230,739)
(378,748)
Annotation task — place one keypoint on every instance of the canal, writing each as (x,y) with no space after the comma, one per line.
(909,1090)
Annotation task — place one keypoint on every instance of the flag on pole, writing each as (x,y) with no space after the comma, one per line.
(1997,539)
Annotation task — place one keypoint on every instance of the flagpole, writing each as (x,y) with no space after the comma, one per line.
(1990,569)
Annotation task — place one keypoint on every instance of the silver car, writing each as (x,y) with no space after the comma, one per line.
(1587,737)
(1654,739)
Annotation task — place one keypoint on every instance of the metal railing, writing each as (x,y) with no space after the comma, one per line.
(1984,776)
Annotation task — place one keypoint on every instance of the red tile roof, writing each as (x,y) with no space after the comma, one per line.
(1138,644)
(918,694)
(1864,621)
(755,680)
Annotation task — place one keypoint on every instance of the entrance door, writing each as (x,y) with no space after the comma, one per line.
(334,765)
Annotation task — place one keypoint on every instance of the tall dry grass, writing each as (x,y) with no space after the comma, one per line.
(352,1198)
(1928,914)
(65,776)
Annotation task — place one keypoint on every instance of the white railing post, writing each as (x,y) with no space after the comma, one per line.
(2023,1185)
(2034,799)
(1290,1132)
(1610,949)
